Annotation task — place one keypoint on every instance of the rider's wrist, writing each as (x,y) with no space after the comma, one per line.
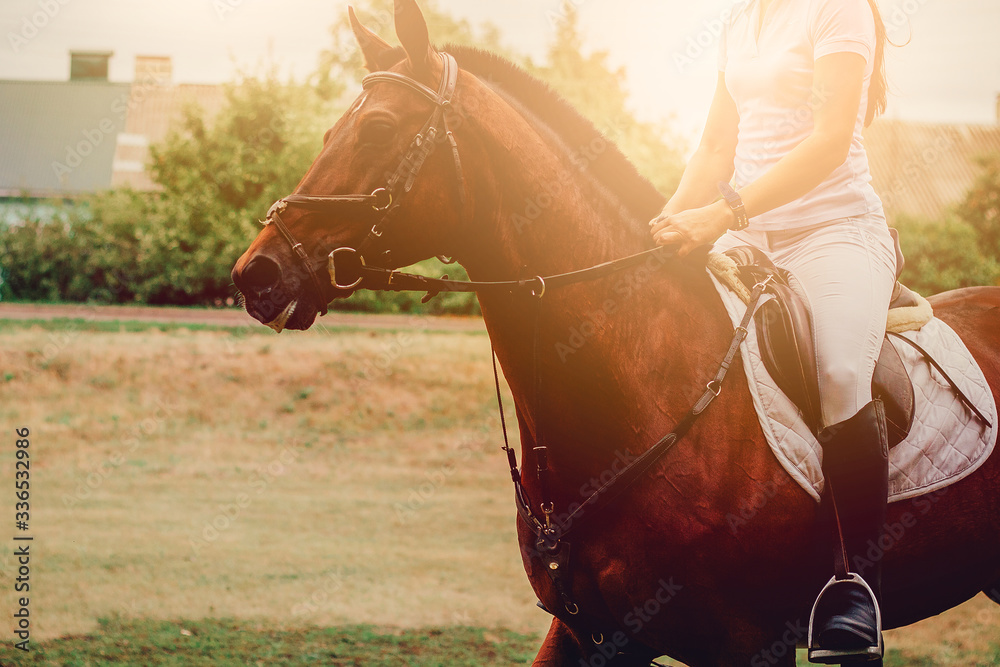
(735,203)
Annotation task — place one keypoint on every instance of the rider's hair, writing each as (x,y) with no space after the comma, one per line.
(878,87)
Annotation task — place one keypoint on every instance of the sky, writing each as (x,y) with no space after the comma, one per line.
(949,71)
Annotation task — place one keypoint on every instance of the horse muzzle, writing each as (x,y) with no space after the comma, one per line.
(273,298)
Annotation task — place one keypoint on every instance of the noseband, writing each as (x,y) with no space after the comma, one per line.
(383,200)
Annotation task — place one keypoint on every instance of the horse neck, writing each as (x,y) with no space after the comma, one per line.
(591,344)
(547,212)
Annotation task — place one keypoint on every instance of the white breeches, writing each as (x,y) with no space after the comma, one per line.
(847,268)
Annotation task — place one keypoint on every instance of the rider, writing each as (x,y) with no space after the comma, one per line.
(798,80)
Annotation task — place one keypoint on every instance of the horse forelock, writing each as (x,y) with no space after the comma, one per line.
(612,169)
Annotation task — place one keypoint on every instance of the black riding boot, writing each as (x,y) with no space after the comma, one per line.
(846,624)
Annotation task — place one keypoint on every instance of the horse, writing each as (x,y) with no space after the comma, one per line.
(511,182)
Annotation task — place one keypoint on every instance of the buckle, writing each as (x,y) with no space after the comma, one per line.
(277,207)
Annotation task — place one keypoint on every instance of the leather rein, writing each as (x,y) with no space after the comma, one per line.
(550,530)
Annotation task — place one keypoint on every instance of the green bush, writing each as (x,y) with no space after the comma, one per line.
(37,260)
(123,246)
(944,255)
(963,249)
(131,247)
(981,207)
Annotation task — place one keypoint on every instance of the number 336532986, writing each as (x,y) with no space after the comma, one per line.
(22,473)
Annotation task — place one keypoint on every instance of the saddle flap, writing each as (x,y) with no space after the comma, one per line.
(891,383)
(785,338)
(784,334)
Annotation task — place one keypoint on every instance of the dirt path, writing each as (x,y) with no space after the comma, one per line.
(228,317)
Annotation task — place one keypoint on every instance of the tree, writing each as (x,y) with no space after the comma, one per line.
(586,81)
(981,207)
(599,92)
(342,64)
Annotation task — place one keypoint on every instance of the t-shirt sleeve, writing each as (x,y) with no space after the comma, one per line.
(840,26)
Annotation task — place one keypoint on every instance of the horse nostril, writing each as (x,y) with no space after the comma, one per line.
(261,274)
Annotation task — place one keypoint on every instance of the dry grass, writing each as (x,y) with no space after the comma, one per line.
(368,495)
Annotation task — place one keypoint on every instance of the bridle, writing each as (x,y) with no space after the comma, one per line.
(384,200)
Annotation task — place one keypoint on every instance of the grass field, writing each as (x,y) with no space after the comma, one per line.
(212,496)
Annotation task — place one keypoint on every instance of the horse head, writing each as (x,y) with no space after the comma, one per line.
(388,187)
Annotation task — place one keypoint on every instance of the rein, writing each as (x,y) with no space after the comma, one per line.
(391,280)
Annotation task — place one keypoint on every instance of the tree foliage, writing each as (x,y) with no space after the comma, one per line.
(963,249)
(981,207)
(943,255)
(341,66)
(587,81)
(600,93)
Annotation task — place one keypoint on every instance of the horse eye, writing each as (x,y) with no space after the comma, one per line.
(377,132)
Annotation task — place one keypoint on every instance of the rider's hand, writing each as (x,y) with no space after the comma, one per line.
(693,228)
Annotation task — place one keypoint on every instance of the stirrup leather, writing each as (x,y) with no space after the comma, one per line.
(835,656)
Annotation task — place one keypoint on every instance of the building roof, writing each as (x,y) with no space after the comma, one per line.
(58,138)
(924,169)
(65,138)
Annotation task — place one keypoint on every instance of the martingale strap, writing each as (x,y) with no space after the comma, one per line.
(552,530)
(627,477)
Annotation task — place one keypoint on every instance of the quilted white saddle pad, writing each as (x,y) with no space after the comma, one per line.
(947,442)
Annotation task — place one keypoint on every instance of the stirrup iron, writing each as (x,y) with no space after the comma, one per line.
(837,656)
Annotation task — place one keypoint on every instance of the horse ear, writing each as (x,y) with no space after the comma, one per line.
(372,46)
(411,28)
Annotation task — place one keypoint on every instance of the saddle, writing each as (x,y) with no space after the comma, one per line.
(785,336)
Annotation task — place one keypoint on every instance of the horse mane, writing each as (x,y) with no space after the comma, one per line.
(612,169)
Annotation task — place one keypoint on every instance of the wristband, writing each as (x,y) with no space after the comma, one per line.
(736,204)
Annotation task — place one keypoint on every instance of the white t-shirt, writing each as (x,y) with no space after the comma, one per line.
(771,77)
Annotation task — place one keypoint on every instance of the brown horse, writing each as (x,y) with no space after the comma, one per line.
(712,556)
